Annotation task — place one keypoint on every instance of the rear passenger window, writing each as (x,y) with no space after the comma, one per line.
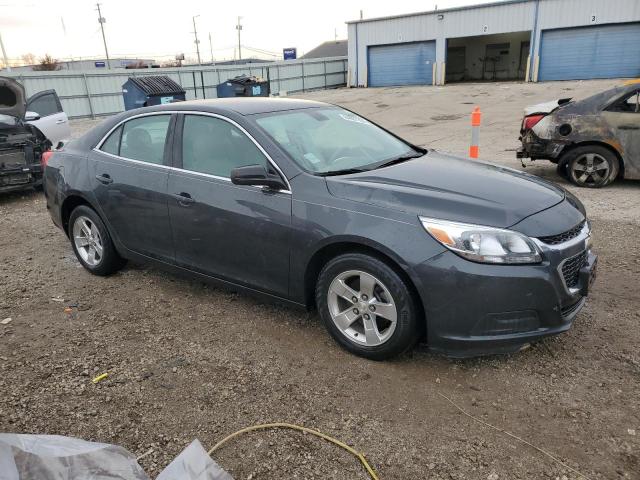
(214,146)
(112,144)
(144,138)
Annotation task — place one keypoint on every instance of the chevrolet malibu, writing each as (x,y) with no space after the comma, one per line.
(313,205)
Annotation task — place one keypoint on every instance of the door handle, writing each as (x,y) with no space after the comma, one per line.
(58,122)
(184,199)
(629,127)
(104,178)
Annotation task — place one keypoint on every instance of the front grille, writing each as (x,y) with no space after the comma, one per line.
(571,269)
(564,236)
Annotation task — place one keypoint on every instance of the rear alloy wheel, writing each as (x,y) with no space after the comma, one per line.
(592,166)
(367,307)
(92,243)
(88,241)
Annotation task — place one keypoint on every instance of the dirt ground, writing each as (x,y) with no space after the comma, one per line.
(187,361)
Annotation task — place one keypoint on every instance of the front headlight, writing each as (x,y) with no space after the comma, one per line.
(483,244)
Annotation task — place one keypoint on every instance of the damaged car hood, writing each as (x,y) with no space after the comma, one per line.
(13,101)
(451,188)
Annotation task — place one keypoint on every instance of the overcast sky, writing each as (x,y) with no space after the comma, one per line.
(145,28)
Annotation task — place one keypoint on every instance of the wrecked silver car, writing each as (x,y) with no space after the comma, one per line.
(28,129)
(593,141)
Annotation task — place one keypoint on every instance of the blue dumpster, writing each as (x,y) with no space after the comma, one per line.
(150,90)
(243,86)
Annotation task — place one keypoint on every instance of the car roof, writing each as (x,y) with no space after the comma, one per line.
(242,105)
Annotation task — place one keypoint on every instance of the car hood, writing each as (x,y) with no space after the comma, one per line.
(451,188)
(546,107)
(13,101)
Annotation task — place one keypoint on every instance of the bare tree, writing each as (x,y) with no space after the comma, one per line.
(47,64)
(29,59)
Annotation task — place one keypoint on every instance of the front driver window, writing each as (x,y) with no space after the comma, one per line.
(215,147)
(144,138)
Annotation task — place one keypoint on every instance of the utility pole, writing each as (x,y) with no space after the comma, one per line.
(101,21)
(335,34)
(197,42)
(4,55)
(239,28)
(211,48)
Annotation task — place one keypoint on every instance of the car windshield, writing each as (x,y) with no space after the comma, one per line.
(331,141)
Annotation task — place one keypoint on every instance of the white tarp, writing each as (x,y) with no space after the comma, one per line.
(53,457)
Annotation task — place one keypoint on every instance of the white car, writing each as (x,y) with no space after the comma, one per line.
(28,128)
(45,112)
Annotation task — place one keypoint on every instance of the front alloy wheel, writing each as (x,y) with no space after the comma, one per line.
(367,306)
(362,308)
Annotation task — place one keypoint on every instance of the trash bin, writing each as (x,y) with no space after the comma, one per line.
(243,86)
(151,90)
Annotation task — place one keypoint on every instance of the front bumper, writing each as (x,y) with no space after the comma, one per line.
(476,309)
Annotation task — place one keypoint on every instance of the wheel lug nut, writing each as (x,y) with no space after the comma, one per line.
(364,296)
(372,308)
(366,316)
(354,299)
(356,311)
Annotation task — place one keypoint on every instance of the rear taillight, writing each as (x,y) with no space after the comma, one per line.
(530,121)
(44,159)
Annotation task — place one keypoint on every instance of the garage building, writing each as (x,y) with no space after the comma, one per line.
(531,40)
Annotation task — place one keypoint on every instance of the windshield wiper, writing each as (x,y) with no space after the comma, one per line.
(400,159)
(345,171)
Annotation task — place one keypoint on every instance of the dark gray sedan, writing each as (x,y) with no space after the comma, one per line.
(314,205)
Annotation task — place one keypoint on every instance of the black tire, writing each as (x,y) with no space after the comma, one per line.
(605,163)
(561,169)
(408,325)
(110,261)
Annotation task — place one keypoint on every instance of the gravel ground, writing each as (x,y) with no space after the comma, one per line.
(186,360)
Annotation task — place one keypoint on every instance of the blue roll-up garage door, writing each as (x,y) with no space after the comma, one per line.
(604,51)
(401,64)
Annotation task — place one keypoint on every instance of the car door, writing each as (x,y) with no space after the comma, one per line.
(129,170)
(236,233)
(624,119)
(53,121)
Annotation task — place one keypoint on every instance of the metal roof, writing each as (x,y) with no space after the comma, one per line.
(444,10)
(332,48)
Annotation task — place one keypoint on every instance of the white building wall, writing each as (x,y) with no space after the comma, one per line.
(480,20)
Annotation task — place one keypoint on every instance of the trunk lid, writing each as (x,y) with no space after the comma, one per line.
(546,107)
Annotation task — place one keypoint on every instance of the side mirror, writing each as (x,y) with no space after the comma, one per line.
(31,116)
(256,175)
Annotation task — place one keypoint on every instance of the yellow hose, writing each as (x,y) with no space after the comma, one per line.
(265,426)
